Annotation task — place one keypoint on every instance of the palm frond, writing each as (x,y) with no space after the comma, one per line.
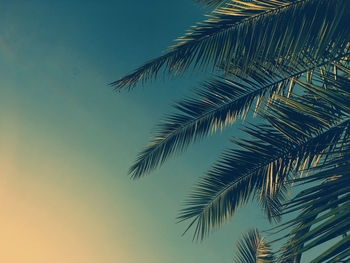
(324,212)
(218,104)
(294,255)
(304,129)
(273,204)
(241,32)
(252,249)
(332,100)
(262,169)
(325,104)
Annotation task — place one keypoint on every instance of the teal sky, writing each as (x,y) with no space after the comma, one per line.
(67,140)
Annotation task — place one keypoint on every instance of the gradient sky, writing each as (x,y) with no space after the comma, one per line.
(67,139)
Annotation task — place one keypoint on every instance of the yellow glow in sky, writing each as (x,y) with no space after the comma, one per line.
(43,218)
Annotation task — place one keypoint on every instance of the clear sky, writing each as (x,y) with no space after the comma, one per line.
(67,140)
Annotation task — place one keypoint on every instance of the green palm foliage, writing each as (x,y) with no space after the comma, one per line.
(322,206)
(279,31)
(325,210)
(287,61)
(252,248)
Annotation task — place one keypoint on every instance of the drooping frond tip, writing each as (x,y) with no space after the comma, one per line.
(216,105)
(193,48)
(147,72)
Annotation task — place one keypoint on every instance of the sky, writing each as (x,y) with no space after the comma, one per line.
(67,139)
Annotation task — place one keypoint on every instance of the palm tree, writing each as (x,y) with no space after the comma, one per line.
(288,62)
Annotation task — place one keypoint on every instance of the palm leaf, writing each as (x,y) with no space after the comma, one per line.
(252,249)
(300,136)
(281,31)
(218,104)
(328,218)
(262,169)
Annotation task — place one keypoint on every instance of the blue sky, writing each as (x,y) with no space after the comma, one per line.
(67,139)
